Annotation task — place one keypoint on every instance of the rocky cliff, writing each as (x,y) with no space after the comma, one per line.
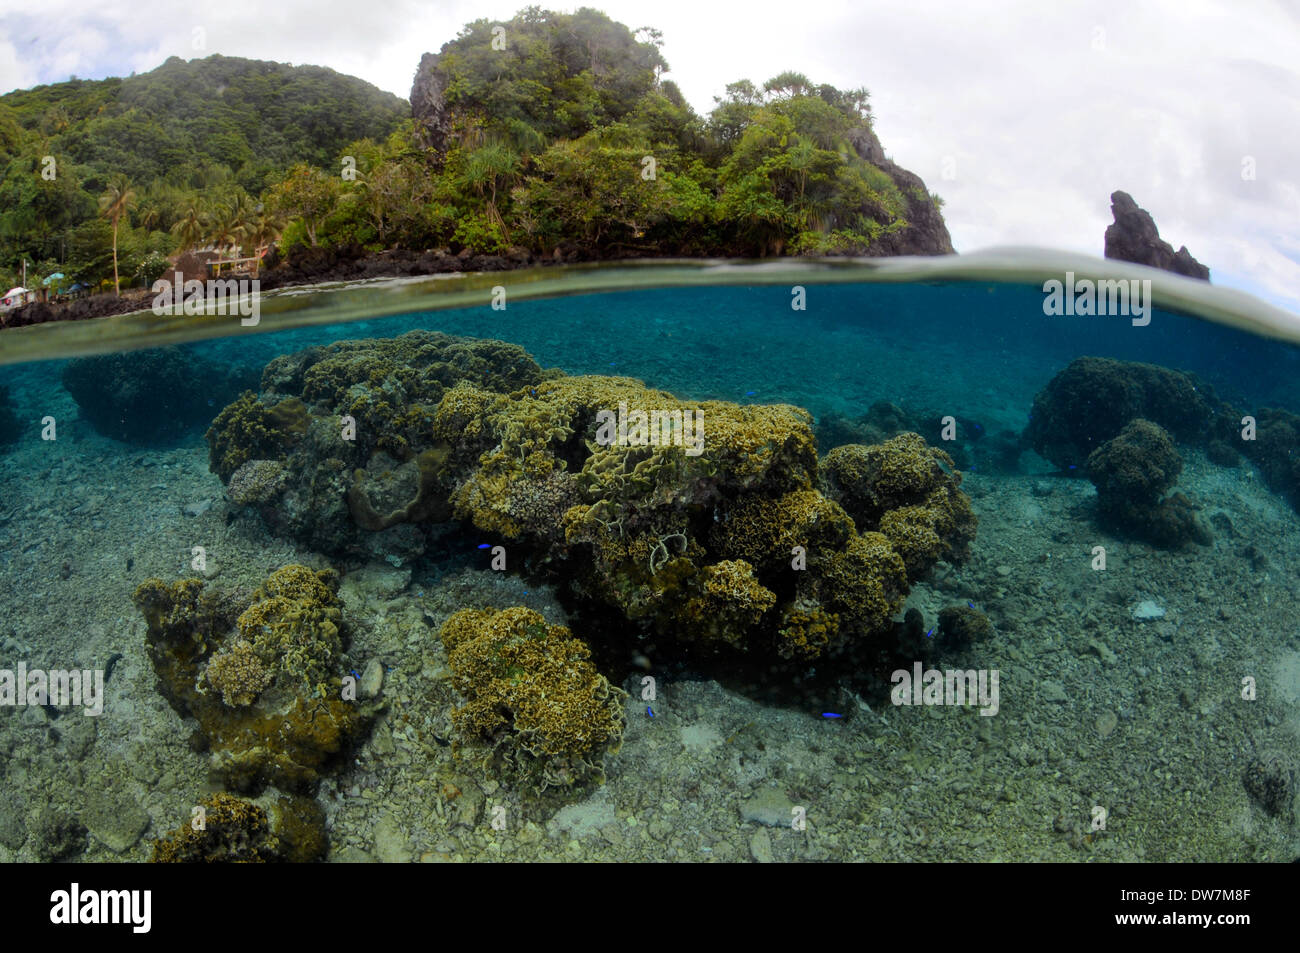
(429,105)
(926,233)
(1134,237)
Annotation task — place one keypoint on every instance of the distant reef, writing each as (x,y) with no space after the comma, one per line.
(1133,237)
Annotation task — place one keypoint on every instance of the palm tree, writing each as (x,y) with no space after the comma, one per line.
(190,226)
(263,228)
(231,221)
(113,204)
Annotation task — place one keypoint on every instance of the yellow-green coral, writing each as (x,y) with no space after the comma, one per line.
(765,531)
(531,689)
(293,624)
(806,630)
(237,831)
(260,673)
(908,491)
(250,430)
(865,583)
(233,831)
(554,426)
(238,675)
(729,602)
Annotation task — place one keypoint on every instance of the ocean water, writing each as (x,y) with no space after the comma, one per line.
(1147,695)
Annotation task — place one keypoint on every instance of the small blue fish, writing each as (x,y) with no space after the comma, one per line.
(750,393)
(484,545)
(971,604)
(649,712)
(356,674)
(613,364)
(929,634)
(831,714)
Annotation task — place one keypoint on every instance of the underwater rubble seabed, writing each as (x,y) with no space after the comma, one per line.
(693,554)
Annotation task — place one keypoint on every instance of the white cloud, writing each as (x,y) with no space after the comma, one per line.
(14,72)
(1045,108)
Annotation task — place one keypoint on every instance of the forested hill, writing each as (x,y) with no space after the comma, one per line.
(191,122)
(546,113)
(549,136)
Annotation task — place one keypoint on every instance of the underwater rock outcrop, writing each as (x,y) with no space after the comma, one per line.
(150,397)
(239,831)
(1132,473)
(260,673)
(967,441)
(1093,398)
(533,694)
(962,626)
(338,449)
(1276,451)
(703,523)
(1270,780)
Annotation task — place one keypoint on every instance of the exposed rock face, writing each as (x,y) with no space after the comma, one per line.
(429,105)
(926,234)
(1133,237)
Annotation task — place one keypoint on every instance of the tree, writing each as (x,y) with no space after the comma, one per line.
(306,193)
(190,227)
(594,188)
(487,170)
(788,84)
(113,204)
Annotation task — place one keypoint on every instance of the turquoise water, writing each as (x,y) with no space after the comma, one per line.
(1121,687)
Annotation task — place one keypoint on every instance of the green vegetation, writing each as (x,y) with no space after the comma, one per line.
(194,144)
(549,132)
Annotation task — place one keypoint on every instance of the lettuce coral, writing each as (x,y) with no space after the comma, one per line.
(533,693)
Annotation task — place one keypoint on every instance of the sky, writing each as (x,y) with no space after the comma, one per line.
(1023,115)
